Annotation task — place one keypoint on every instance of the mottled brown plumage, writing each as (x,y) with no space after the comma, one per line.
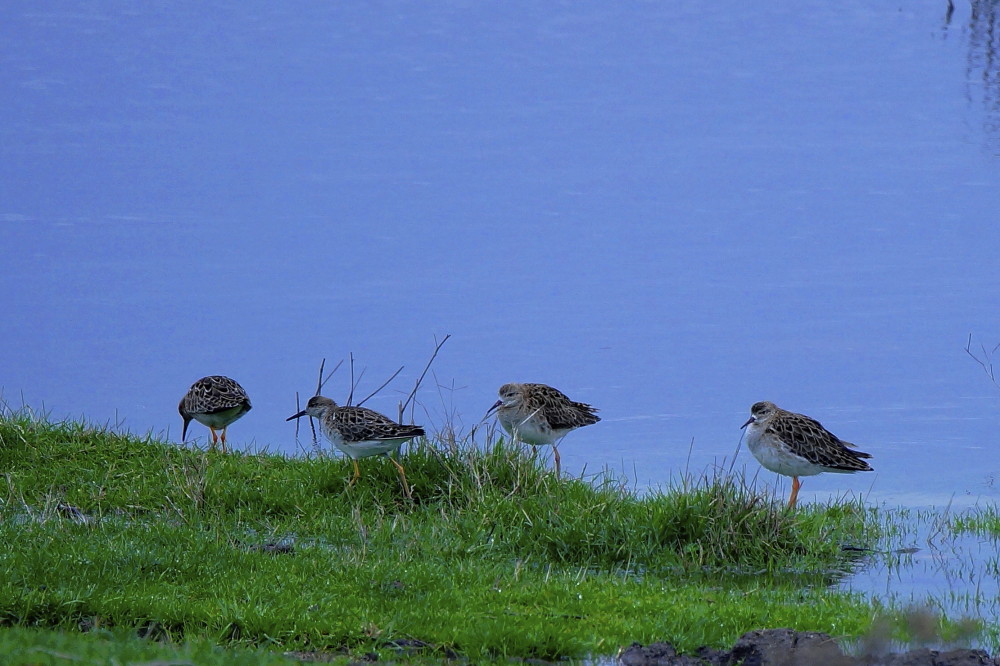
(215,401)
(796,445)
(360,432)
(538,414)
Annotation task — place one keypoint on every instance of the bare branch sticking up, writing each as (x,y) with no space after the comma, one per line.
(311,423)
(384,384)
(319,381)
(323,380)
(423,374)
(354,384)
(986,362)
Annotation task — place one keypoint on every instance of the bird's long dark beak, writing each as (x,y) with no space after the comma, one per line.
(493,408)
(295,416)
(749,421)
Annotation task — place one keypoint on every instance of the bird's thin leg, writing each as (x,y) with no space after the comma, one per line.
(357,472)
(223,440)
(555,450)
(796,484)
(215,438)
(402,477)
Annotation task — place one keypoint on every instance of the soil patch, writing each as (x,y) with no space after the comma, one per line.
(785,647)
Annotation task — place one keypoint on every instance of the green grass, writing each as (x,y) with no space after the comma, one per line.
(982,521)
(492,558)
(936,573)
(21,647)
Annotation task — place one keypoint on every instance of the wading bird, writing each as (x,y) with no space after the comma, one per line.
(539,415)
(795,445)
(215,401)
(360,432)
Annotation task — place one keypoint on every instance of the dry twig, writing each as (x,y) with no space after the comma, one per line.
(354,384)
(323,380)
(423,374)
(384,384)
(986,362)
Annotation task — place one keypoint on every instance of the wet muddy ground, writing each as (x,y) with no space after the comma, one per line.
(785,647)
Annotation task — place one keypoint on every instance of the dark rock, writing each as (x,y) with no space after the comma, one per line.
(926,657)
(712,657)
(786,647)
(965,658)
(654,654)
(664,654)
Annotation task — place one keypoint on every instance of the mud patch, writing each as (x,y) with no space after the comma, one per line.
(785,647)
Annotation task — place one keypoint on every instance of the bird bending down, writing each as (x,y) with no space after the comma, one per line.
(360,432)
(539,415)
(215,401)
(796,445)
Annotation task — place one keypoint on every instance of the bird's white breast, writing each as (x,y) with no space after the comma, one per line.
(772,453)
(362,448)
(531,430)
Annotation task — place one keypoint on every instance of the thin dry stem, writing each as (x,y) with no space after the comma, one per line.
(319,381)
(423,374)
(323,380)
(384,384)
(350,396)
(986,362)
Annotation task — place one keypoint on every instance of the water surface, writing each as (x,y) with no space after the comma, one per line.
(668,211)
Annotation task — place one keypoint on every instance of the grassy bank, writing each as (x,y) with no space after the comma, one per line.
(493,557)
(42,647)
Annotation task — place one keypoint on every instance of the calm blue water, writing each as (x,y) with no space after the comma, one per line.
(670,211)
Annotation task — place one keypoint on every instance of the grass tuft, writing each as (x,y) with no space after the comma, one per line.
(493,556)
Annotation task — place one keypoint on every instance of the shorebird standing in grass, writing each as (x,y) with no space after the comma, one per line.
(795,445)
(360,432)
(215,401)
(540,415)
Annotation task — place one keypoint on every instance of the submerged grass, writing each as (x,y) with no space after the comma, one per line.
(937,568)
(493,557)
(981,520)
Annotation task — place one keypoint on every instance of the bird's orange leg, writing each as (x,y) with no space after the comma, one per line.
(796,484)
(215,438)
(357,472)
(402,477)
(223,440)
